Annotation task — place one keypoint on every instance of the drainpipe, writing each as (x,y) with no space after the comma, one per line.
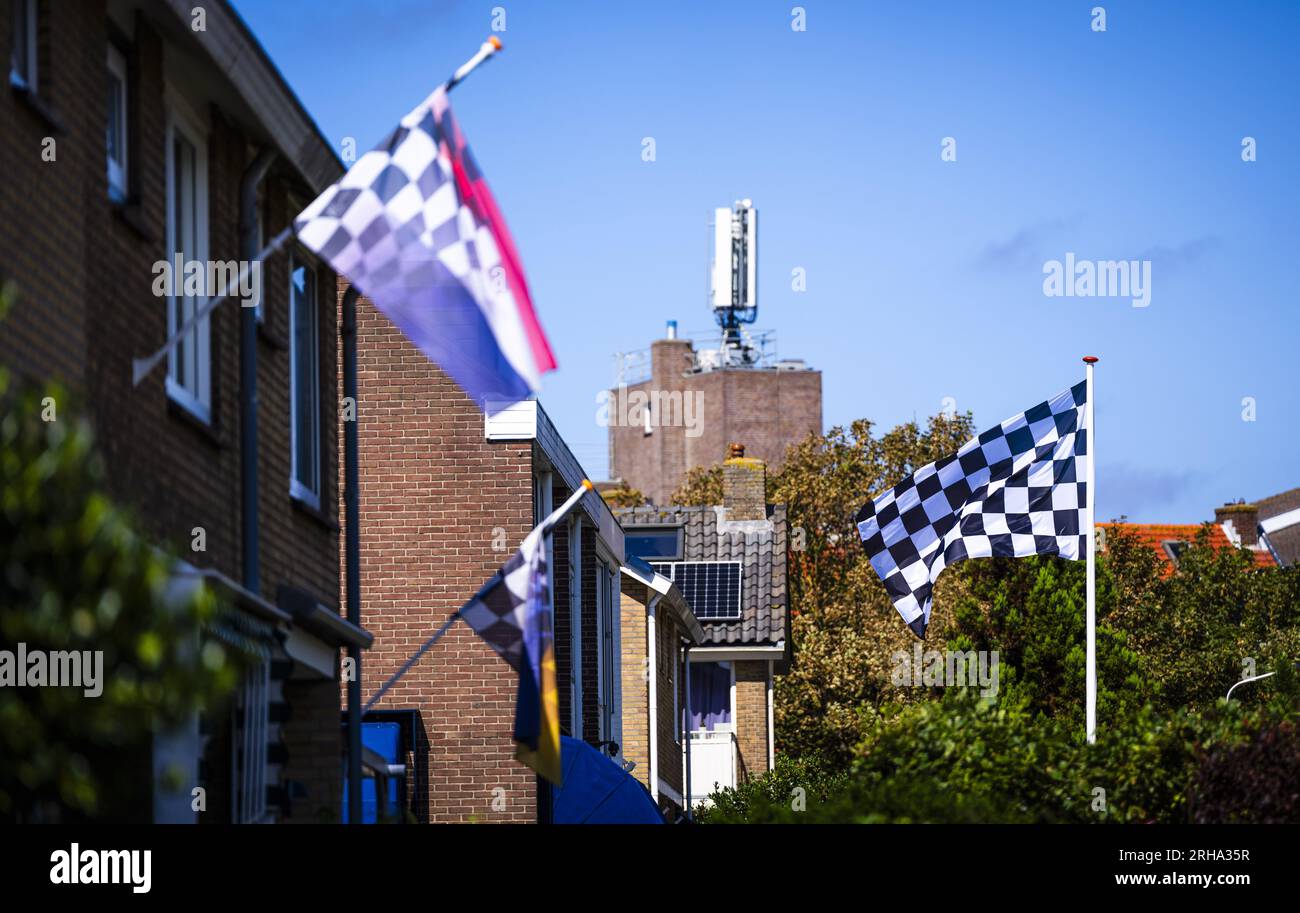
(686,728)
(352,547)
(771,733)
(654,693)
(248,241)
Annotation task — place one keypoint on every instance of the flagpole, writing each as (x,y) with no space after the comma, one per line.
(1090,484)
(547,526)
(143,367)
(485,51)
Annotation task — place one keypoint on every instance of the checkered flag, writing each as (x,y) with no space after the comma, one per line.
(1018,489)
(500,611)
(414,226)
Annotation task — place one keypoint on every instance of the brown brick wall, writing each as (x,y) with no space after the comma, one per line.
(668,667)
(751,718)
(312,738)
(765,410)
(84,272)
(432,492)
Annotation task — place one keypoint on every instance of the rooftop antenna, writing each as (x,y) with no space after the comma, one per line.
(733,292)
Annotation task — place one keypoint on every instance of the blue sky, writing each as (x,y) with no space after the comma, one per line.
(924,277)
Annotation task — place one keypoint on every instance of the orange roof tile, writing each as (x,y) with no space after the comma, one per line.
(1155,535)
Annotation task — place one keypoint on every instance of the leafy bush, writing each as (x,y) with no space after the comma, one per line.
(966,760)
(75,576)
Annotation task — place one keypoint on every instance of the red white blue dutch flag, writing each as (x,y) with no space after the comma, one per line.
(414,227)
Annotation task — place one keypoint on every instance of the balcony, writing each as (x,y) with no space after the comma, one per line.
(713,762)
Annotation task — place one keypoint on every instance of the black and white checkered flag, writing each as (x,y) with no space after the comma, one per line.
(1018,489)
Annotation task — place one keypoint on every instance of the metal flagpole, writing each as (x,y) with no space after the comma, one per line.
(1090,483)
(142,367)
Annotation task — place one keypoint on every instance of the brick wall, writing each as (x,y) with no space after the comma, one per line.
(668,672)
(432,493)
(636,690)
(766,410)
(311,737)
(83,269)
(751,718)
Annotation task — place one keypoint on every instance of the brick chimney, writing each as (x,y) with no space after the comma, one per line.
(1244,520)
(744,486)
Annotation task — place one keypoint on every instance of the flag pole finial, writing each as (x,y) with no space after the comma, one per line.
(489,47)
(587,484)
(1091,359)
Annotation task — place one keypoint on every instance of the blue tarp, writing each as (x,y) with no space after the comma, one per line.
(598,791)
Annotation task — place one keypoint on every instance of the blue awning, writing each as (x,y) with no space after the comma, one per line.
(598,791)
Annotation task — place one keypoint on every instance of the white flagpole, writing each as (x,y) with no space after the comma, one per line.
(1090,482)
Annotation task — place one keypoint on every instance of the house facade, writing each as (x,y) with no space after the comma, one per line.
(658,632)
(729,561)
(131,139)
(447,495)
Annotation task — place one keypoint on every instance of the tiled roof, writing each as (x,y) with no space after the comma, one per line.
(1286,542)
(1155,535)
(764,598)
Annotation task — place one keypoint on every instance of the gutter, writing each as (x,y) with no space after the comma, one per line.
(771,732)
(653,672)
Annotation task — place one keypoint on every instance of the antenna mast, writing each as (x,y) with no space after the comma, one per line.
(733,291)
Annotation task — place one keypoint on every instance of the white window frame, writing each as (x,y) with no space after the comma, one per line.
(119,188)
(296,488)
(199,400)
(17,78)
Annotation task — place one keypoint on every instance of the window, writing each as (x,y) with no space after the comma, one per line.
(117,132)
(710,696)
(304,380)
(650,543)
(1174,549)
(22,57)
(189,380)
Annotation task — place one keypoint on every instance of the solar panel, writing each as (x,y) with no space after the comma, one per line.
(712,588)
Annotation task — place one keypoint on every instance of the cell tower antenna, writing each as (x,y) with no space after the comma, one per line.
(733,293)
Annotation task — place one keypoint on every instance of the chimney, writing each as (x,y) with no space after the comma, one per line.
(1242,519)
(744,486)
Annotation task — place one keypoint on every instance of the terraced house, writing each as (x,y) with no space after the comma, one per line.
(729,562)
(135,133)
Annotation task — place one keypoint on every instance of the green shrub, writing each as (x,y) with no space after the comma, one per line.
(75,576)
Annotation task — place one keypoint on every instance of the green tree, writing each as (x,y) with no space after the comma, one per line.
(843,627)
(702,487)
